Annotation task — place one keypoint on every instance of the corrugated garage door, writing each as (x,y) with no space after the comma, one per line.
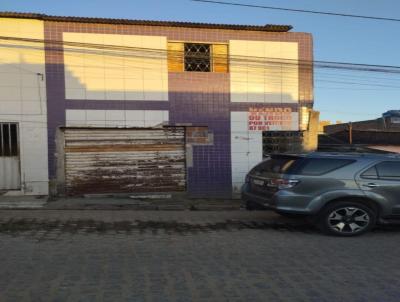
(124,160)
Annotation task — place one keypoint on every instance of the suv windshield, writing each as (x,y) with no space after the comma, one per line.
(276,164)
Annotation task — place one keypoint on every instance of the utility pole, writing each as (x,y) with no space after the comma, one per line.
(350,133)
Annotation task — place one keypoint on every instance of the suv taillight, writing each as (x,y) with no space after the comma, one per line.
(281,183)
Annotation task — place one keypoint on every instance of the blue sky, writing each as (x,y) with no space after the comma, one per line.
(365,96)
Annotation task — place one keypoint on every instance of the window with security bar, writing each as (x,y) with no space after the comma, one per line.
(8,139)
(197,57)
(281,142)
(200,57)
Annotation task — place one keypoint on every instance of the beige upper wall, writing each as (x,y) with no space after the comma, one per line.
(23,98)
(264,71)
(19,64)
(134,70)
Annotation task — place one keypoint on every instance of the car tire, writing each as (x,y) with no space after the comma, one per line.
(346,218)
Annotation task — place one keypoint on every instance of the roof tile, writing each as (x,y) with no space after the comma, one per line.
(267,27)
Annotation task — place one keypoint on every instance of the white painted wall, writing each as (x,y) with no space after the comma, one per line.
(134,70)
(23,99)
(246,146)
(116,118)
(261,72)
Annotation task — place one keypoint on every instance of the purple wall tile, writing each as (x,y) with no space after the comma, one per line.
(201,99)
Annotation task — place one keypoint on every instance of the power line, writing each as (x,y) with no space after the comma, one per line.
(364,84)
(298,10)
(255,78)
(356,89)
(357,76)
(145,51)
(235,59)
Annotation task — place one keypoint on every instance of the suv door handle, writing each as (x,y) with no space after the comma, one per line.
(371,185)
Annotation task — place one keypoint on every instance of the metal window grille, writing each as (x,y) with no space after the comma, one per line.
(197,57)
(281,142)
(8,139)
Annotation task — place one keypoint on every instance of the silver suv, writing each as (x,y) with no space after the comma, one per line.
(344,194)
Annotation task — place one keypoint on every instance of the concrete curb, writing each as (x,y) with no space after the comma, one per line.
(150,207)
(115,203)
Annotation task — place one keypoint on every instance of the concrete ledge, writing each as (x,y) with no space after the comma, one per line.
(22,202)
(119,203)
(125,203)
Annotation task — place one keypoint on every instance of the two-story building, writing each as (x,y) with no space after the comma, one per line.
(93,105)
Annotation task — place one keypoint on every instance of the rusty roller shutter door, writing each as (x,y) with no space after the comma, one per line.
(124,160)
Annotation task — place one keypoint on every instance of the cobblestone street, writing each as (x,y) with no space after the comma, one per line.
(189,256)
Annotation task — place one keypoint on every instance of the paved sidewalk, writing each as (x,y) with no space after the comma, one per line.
(118,203)
(189,217)
(115,203)
(22,202)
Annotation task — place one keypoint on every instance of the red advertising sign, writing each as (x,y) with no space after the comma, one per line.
(269,118)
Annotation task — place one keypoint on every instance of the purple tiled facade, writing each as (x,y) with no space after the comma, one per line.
(198,99)
(203,99)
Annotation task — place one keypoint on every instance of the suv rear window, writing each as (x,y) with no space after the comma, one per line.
(276,164)
(319,166)
(370,173)
(384,170)
(389,170)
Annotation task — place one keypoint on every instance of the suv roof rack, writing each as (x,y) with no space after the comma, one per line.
(356,154)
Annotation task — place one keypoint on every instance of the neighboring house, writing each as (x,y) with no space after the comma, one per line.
(321,126)
(381,134)
(390,121)
(93,105)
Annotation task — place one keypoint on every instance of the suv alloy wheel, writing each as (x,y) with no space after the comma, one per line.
(346,219)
